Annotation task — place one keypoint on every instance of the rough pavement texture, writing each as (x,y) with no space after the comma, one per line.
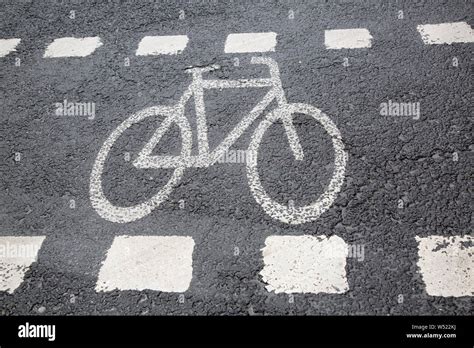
(390,158)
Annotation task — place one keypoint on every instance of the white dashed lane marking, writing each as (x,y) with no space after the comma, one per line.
(347,38)
(446,33)
(156,45)
(292,264)
(7,46)
(305,264)
(162,263)
(72,47)
(431,34)
(250,42)
(16,256)
(447,265)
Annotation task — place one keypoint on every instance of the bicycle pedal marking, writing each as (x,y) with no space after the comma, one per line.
(175,115)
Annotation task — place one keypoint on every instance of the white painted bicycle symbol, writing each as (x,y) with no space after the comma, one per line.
(175,114)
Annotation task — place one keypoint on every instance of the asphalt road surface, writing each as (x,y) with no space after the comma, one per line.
(348,189)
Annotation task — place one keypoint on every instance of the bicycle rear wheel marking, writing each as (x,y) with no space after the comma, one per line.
(298,215)
(127,214)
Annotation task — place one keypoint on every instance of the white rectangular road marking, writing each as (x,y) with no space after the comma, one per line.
(72,47)
(305,264)
(7,46)
(156,45)
(250,42)
(446,33)
(162,263)
(347,38)
(16,256)
(447,265)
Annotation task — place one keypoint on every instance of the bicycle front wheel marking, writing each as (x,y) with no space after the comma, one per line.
(127,214)
(297,215)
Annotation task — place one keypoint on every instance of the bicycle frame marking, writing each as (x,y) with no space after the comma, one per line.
(196,90)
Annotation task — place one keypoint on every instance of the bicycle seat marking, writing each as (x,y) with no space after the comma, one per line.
(174,114)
